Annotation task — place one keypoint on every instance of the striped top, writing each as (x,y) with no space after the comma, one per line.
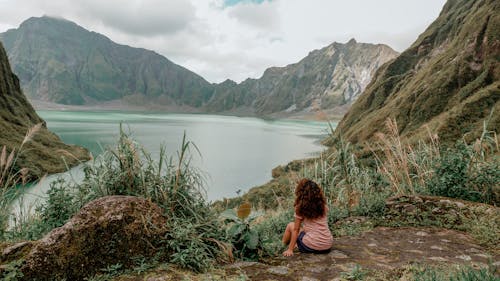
(317,234)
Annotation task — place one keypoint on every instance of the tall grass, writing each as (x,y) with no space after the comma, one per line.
(196,238)
(465,171)
(405,166)
(11,176)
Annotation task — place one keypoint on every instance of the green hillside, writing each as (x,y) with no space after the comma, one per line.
(447,81)
(45,153)
(59,61)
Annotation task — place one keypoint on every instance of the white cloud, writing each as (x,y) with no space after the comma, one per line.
(240,40)
(264,15)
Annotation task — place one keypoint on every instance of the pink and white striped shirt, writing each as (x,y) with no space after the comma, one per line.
(317,234)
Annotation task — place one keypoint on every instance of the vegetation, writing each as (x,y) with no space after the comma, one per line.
(447,81)
(356,187)
(196,240)
(353,188)
(46,153)
(245,240)
(462,273)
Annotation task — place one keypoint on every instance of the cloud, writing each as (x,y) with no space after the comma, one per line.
(264,15)
(228,3)
(147,17)
(236,39)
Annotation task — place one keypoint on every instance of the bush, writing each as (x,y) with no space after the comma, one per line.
(271,231)
(459,175)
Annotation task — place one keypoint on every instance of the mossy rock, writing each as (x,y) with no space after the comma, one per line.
(108,231)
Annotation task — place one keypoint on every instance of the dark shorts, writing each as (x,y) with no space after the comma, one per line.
(304,249)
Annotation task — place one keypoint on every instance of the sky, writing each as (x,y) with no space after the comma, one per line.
(236,39)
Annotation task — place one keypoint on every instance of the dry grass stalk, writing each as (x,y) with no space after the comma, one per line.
(403,165)
(5,167)
(31,133)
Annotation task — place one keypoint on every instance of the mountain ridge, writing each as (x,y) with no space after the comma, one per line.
(447,82)
(46,153)
(78,69)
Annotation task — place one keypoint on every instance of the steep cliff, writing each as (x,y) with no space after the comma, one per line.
(61,62)
(45,153)
(447,81)
(326,78)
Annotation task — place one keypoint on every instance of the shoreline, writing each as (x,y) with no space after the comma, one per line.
(330,115)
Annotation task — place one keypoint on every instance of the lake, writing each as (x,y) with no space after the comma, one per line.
(237,153)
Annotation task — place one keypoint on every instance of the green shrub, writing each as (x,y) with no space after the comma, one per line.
(243,237)
(459,175)
(271,231)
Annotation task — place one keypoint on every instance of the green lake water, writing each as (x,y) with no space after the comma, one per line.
(236,153)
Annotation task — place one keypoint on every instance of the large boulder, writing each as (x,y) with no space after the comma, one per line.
(107,231)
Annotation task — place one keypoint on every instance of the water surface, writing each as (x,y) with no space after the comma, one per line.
(237,153)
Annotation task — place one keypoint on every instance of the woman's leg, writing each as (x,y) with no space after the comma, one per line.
(288,233)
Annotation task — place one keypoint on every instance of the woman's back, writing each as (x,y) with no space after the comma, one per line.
(317,234)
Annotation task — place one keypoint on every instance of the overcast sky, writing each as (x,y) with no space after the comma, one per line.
(236,39)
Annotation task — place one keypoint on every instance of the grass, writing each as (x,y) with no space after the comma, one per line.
(196,240)
(356,187)
(353,187)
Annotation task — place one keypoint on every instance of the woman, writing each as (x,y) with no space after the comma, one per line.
(311,213)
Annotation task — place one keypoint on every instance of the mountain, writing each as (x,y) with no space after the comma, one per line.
(326,78)
(61,62)
(46,153)
(447,81)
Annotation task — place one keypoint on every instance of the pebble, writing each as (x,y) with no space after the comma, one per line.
(338,255)
(438,259)
(464,257)
(306,278)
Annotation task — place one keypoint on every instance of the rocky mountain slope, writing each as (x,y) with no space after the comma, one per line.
(61,62)
(447,81)
(326,78)
(45,153)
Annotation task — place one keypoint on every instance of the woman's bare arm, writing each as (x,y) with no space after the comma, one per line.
(293,239)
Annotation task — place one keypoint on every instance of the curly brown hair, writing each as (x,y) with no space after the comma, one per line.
(310,202)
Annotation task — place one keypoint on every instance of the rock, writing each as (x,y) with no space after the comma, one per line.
(15,251)
(305,278)
(107,231)
(279,270)
(464,257)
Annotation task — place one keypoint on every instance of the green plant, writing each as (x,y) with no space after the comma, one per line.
(195,245)
(12,271)
(243,237)
(461,174)
(356,274)
(195,241)
(271,229)
(462,274)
